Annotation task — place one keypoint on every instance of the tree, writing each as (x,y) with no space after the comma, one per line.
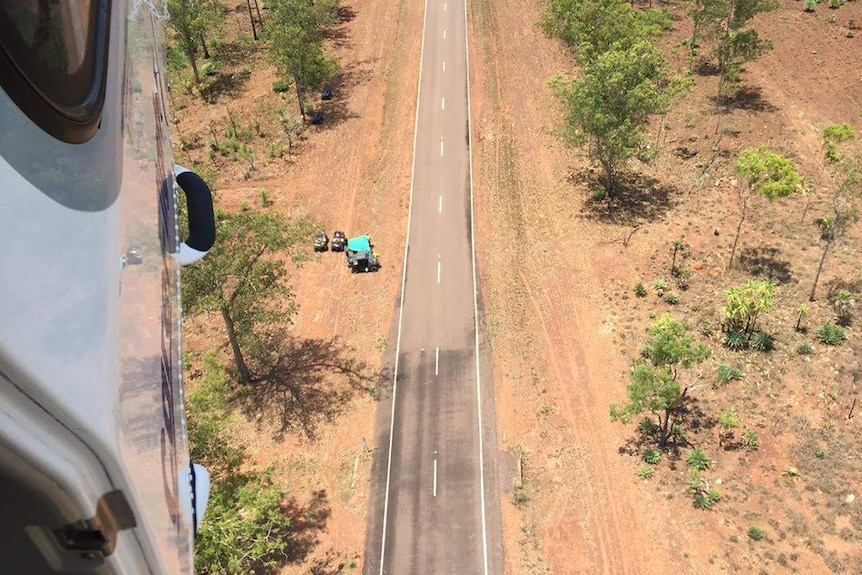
(296,30)
(744,305)
(654,386)
(833,135)
(765,174)
(244,527)
(191,20)
(843,212)
(593,27)
(244,278)
(725,22)
(610,106)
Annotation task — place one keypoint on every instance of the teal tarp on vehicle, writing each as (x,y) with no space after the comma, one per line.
(359,244)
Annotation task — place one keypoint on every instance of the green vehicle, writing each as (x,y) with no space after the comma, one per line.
(360,255)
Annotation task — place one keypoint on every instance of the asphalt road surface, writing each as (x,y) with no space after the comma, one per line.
(436,510)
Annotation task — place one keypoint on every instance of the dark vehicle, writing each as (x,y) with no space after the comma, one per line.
(361,256)
(321,241)
(339,241)
(326,94)
(317,117)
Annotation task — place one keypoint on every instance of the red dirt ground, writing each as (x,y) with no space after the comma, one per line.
(557,283)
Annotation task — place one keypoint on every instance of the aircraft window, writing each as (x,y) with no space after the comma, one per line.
(57,49)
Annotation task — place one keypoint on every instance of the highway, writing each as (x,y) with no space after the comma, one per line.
(437,506)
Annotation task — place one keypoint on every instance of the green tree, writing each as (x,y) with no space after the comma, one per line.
(244,527)
(654,386)
(592,27)
(843,213)
(191,20)
(764,174)
(726,23)
(296,30)
(744,305)
(609,107)
(244,278)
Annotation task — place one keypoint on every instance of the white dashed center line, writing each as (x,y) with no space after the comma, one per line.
(444,33)
(441,146)
(440,205)
(444,65)
(442,103)
(438,271)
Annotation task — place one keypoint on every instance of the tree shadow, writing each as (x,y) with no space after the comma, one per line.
(747,98)
(302,383)
(706,68)
(836,285)
(338,34)
(305,524)
(764,262)
(336,110)
(638,199)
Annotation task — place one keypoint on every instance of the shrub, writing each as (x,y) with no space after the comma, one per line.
(734,340)
(810,5)
(280,86)
(274,151)
(727,373)
(652,456)
(804,348)
(648,427)
(645,472)
(831,334)
(706,499)
(698,459)
(755,532)
(762,341)
(209,68)
(671,298)
(640,290)
(750,439)
(836,4)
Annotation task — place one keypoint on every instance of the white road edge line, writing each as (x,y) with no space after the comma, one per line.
(475,299)
(437,361)
(440,205)
(435,474)
(403,283)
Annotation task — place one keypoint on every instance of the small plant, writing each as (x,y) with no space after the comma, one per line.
(652,456)
(676,430)
(755,533)
(648,427)
(681,275)
(843,305)
(209,68)
(804,348)
(849,33)
(706,499)
(265,202)
(810,5)
(762,341)
(280,86)
(727,373)
(599,194)
(660,286)
(734,340)
(831,334)
(640,290)
(645,472)
(750,440)
(835,4)
(670,298)
(680,248)
(274,151)
(800,315)
(697,459)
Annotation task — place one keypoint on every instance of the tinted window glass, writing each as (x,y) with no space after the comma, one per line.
(56,48)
